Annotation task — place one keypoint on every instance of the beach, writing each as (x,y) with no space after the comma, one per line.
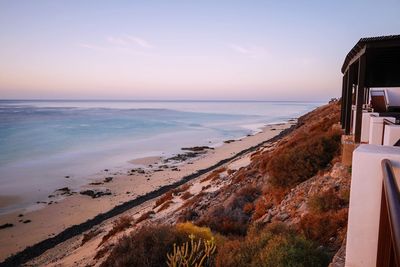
(149,174)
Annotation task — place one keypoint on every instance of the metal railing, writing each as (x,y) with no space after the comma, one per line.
(389,225)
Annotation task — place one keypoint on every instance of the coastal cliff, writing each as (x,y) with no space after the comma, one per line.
(282,203)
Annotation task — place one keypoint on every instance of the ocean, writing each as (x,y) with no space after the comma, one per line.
(41,142)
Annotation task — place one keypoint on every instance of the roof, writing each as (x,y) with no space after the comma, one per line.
(364,41)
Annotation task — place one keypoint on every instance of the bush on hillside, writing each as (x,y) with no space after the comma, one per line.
(321,227)
(296,163)
(274,245)
(149,245)
(325,201)
(233,218)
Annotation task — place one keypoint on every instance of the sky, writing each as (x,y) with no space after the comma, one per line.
(230,50)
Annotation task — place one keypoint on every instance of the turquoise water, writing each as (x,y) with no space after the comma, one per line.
(43,141)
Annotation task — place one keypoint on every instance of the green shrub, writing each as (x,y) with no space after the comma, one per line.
(275,245)
(291,250)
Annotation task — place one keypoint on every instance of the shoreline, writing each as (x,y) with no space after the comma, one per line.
(110,206)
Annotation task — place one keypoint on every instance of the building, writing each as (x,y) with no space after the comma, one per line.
(370,118)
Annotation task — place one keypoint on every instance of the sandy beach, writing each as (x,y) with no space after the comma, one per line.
(149,174)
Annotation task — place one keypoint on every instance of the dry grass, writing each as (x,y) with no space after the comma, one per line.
(166,205)
(186,195)
(166,197)
(145,216)
(214,175)
(90,235)
(120,225)
(181,189)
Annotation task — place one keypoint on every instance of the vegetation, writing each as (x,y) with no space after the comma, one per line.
(150,245)
(276,245)
(121,224)
(302,160)
(233,218)
(192,254)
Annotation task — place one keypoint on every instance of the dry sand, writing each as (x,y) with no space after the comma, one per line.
(75,209)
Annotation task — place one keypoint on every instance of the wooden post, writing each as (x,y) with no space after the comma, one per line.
(360,97)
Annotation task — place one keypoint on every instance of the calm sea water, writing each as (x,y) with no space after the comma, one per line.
(43,141)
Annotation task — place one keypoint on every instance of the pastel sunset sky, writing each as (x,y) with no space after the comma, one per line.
(240,50)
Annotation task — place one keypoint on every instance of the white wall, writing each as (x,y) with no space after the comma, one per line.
(393,96)
(392,135)
(365,201)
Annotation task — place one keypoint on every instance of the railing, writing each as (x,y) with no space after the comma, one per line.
(389,225)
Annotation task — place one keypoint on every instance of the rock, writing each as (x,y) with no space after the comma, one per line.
(95,193)
(229,141)
(20,215)
(283,216)
(64,189)
(50,196)
(27,221)
(175,169)
(106,170)
(96,183)
(197,148)
(108,179)
(6,225)
(66,176)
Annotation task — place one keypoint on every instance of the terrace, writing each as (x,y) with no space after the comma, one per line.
(370,118)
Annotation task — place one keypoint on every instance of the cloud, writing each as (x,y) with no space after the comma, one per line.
(91,46)
(139,41)
(121,44)
(253,51)
(129,41)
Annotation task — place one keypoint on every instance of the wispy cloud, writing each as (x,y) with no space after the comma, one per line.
(90,46)
(122,43)
(129,40)
(139,41)
(248,50)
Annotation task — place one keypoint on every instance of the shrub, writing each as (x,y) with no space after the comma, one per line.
(321,227)
(146,247)
(325,201)
(275,245)
(145,216)
(166,197)
(90,235)
(231,218)
(181,189)
(291,250)
(149,245)
(120,225)
(298,161)
(166,205)
(214,175)
(248,208)
(186,195)
(189,228)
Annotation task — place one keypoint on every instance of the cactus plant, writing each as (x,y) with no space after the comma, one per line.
(192,254)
